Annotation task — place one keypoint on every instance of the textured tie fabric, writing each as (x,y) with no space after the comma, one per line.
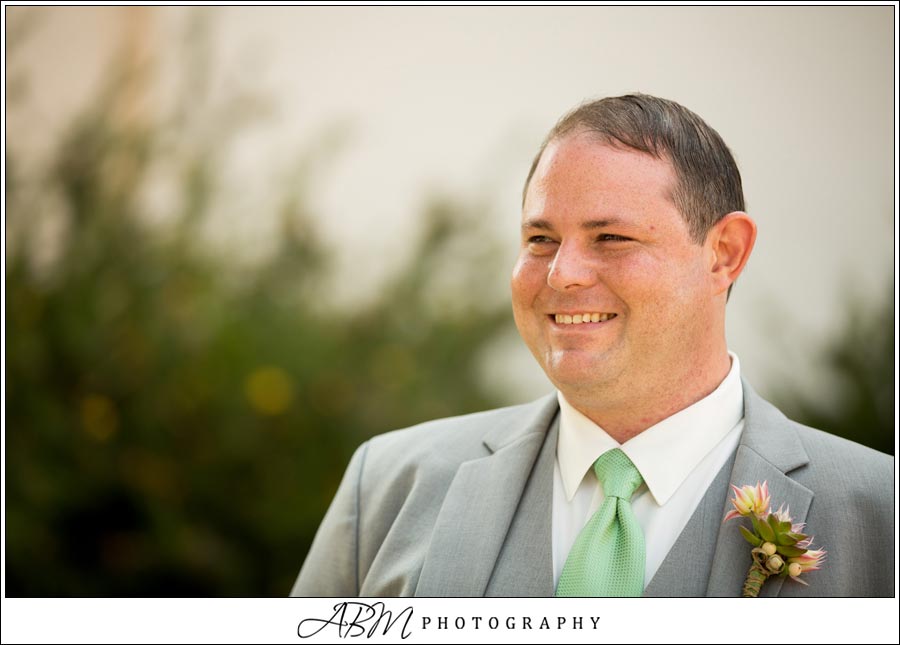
(607,558)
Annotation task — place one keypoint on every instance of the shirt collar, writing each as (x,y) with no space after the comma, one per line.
(666,453)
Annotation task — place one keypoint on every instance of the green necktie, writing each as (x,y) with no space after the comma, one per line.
(607,558)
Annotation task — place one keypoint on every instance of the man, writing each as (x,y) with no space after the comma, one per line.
(633,232)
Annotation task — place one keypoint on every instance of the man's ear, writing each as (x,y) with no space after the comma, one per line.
(730,241)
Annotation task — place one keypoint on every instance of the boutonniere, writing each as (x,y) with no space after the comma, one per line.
(779,547)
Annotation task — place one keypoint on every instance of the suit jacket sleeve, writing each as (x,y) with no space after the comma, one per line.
(331,567)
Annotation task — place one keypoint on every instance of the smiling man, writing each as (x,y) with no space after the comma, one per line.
(633,232)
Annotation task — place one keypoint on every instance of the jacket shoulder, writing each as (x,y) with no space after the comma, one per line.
(850,462)
(449,441)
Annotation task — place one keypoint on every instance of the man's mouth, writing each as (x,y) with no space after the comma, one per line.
(577,319)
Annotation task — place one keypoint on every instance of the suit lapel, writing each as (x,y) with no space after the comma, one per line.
(525,564)
(486,495)
(769,449)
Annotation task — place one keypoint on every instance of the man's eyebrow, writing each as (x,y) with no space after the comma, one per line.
(588,225)
(542,224)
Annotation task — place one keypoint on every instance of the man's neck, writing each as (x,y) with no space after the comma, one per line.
(625,417)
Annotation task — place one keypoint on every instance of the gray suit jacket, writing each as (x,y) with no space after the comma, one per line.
(462,507)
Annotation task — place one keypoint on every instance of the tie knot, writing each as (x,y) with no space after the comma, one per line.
(617,474)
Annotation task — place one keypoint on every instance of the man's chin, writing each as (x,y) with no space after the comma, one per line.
(578,364)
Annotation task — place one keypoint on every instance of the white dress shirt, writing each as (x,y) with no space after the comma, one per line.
(678,458)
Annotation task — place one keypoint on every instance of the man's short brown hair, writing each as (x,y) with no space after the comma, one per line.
(708,181)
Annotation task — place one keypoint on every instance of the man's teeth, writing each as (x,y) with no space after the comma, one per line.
(577,319)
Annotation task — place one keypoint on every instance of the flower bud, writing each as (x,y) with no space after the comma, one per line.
(794,569)
(768,548)
(775,564)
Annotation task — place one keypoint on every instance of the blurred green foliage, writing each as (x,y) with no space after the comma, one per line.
(860,360)
(177,424)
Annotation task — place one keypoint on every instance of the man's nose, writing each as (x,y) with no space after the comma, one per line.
(570,269)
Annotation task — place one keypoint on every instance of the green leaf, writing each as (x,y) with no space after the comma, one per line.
(790,551)
(755,523)
(785,538)
(751,537)
(766,532)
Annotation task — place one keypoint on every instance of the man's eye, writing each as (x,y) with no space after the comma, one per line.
(610,237)
(539,239)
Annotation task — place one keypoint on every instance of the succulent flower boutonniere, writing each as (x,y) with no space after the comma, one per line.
(779,548)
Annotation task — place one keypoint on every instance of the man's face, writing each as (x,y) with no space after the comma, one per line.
(602,238)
